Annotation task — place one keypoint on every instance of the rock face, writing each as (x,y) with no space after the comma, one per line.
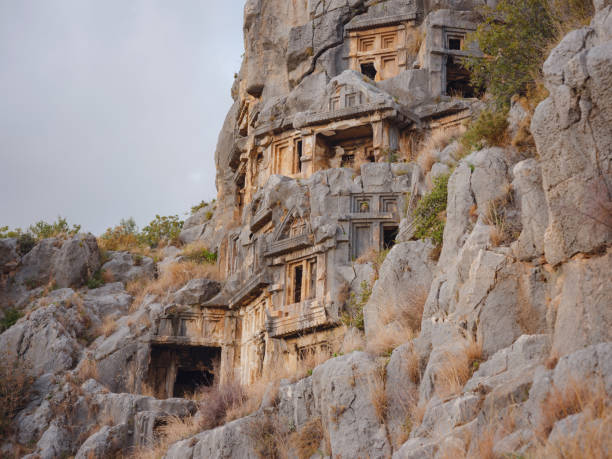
(505,344)
(576,117)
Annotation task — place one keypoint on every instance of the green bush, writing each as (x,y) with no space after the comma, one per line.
(489,129)
(515,38)
(429,215)
(25,243)
(43,230)
(201,255)
(353,311)
(11,316)
(122,237)
(199,206)
(161,229)
(96,280)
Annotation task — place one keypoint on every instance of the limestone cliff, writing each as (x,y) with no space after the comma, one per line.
(364,340)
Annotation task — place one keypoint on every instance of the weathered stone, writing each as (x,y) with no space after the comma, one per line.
(584,316)
(124,267)
(341,392)
(576,118)
(401,290)
(196,291)
(104,443)
(532,203)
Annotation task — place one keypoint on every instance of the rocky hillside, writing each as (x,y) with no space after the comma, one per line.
(495,342)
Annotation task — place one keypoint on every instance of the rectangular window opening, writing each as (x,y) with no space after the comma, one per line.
(454,43)
(297,283)
(298,150)
(389,236)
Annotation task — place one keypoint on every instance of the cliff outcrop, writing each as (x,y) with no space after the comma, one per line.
(363,338)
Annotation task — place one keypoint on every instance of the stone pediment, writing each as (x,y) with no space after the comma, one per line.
(349,95)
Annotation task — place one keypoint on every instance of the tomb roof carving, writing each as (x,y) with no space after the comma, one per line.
(369,23)
(349,95)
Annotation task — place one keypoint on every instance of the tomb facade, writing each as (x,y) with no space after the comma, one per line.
(313,190)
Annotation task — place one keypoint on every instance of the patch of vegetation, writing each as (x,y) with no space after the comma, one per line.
(164,229)
(43,230)
(25,243)
(199,206)
(11,316)
(429,215)
(122,237)
(516,37)
(200,255)
(15,384)
(353,311)
(96,280)
(489,129)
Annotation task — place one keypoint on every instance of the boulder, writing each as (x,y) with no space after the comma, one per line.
(342,396)
(69,262)
(531,199)
(572,129)
(104,443)
(584,315)
(197,291)
(401,289)
(124,266)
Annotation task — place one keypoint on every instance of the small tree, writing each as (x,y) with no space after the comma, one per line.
(429,218)
(161,229)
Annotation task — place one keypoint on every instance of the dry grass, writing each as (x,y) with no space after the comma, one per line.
(502,232)
(396,324)
(171,279)
(576,396)
(175,429)
(107,276)
(107,327)
(436,141)
(457,368)
(269,437)
(378,396)
(376,257)
(15,385)
(306,441)
(88,369)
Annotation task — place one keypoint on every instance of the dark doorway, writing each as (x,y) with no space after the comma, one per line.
(175,371)
(369,70)
(298,149)
(389,236)
(454,43)
(189,381)
(297,284)
(458,79)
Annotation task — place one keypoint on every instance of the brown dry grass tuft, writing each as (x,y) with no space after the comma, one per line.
(378,396)
(15,385)
(87,370)
(306,441)
(269,437)
(397,324)
(108,326)
(171,279)
(576,396)
(436,141)
(457,367)
(175,429)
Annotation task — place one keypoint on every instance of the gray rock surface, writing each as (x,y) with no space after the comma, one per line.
(196,291)
(124,266)
(577,117)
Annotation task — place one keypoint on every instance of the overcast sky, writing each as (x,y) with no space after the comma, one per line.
(111,108)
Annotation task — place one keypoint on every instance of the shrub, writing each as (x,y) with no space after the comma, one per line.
(15,386)
(198,253)
(96,280)
(199,206)
(25,243)
(306,441)
(353,313)
(429,216)
(161,230)
(11,316)
(124,236)
(43,230)
(515,38)
(489,129)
